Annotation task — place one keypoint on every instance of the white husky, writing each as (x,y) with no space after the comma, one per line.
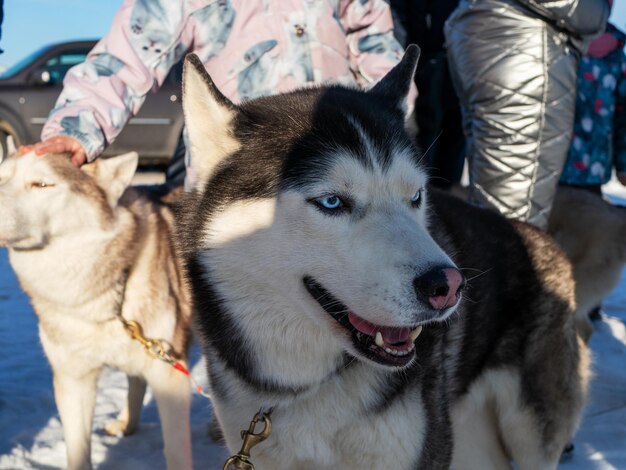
(86,249)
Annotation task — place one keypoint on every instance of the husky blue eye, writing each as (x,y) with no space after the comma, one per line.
(330,202)
(416,200)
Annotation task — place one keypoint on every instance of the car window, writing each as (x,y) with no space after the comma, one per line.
(24,62)
(58,65)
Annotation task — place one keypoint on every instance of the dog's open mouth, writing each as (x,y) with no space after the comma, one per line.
(387,345)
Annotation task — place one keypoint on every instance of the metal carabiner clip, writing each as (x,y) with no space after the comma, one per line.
(241,461)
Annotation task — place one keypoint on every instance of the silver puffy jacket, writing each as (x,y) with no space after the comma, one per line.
(514,65)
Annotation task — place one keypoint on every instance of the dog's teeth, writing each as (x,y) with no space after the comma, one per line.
(388,351)
(379,339)
(415,333)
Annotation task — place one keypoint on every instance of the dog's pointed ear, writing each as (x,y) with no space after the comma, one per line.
(208,119)
(396,84)
(114,174)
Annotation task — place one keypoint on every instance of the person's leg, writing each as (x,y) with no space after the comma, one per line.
(428,109)
(556,129)
(440,135)
(516,93)
(448,156)
(449,159)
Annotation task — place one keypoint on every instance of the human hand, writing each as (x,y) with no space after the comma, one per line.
(622,178)
(59,144)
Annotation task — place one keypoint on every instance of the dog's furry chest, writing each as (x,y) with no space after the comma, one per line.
(338,424)
(77,299)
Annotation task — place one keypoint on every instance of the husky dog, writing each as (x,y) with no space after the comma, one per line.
(592,232)
(86,248)
(328,288)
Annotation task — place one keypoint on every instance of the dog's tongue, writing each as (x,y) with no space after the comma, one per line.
(390,334)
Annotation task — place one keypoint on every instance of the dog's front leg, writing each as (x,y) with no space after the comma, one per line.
(75,398)
(172,392)
(128,419)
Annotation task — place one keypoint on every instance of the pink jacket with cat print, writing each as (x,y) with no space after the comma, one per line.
(250,47)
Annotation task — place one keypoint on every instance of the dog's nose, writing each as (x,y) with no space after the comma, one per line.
(440,287)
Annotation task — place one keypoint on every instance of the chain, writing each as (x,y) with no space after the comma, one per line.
(160,349)
(157,348)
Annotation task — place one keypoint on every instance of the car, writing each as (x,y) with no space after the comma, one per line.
(30,88)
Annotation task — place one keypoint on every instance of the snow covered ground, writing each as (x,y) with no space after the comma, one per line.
(31,435)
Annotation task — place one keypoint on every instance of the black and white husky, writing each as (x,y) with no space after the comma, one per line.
(386,325)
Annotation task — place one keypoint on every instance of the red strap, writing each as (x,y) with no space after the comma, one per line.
(182,368)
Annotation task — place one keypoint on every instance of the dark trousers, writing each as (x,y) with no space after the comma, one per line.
(439,122)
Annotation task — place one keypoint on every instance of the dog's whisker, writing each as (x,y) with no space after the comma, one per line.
(481,273)
(469,269)
(467,298)
(431,145)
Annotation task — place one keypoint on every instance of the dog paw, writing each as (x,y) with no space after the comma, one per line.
(119,428)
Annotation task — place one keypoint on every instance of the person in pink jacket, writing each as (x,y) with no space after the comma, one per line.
(251,48)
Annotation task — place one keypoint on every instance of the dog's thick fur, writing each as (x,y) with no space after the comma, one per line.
(75,238)
(310,217)
(592,232)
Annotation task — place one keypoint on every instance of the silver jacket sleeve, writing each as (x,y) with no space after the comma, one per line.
(580,17)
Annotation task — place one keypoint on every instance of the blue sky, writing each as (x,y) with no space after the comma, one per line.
(30,24)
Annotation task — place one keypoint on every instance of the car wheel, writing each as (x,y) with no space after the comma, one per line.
(3,145)
(4,148)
